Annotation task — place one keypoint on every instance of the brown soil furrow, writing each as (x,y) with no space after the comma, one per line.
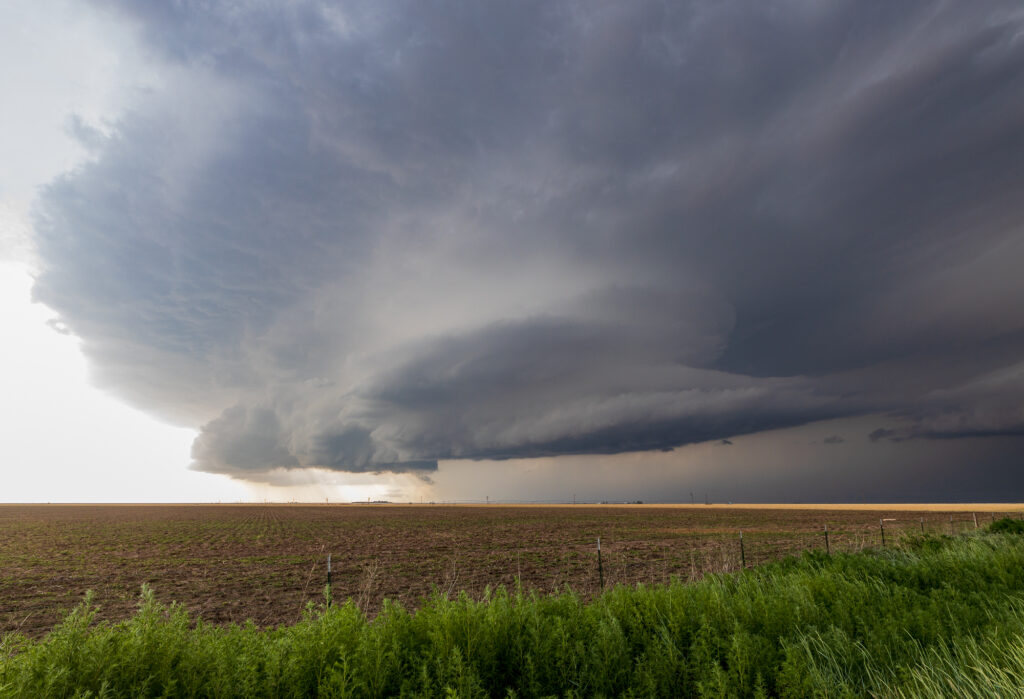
(265,562)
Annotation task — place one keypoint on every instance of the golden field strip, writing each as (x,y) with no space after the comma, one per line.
(1000,507)
(266,562)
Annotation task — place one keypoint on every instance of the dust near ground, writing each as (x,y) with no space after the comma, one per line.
(231,563)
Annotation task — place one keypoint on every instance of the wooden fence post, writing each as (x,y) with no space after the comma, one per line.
(328,580)
(922,525)
(951,532)
(828,549)
(881,528)
(743,554)
(975,514)
(600,568)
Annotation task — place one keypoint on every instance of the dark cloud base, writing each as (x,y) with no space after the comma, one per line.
(369,236)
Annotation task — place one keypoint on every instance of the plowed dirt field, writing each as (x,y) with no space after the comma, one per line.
(231,563)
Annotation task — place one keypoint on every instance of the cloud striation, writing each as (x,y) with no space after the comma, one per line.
(366,236)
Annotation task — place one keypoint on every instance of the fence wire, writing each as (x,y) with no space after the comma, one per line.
(547,567)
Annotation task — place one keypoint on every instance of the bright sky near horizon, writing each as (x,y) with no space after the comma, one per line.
(65,440)
(528,252)
(68,441)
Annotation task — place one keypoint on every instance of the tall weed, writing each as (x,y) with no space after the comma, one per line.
(897,622)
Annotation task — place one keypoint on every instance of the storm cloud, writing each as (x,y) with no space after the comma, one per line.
(367,236)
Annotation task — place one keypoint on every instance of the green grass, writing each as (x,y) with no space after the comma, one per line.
(937,617)
(1007,526)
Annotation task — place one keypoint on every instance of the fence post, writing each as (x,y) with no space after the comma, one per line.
(881,528)
(600,568)
(951,532)
(922,525)
(828,549)
(743,554)
(328,580)
(975,520)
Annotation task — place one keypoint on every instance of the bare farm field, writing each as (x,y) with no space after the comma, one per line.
(232,563)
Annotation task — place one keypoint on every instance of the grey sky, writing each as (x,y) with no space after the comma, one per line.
(369,236)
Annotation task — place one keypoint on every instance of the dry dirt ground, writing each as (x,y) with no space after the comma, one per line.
(231,563)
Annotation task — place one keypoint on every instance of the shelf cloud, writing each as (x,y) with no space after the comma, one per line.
(367,236)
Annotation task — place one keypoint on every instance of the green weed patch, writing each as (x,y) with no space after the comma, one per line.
(895,622)
(1007,526)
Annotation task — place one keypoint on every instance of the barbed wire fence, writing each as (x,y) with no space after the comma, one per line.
(546,567)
